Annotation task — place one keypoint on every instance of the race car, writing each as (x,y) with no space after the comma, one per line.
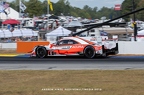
(74,46)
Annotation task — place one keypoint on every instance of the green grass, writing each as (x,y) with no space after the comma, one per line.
(38,82)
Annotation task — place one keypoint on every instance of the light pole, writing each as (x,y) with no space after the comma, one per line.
(134,21)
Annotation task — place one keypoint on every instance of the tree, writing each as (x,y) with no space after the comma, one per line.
(104,11)
(45,7)
(38,8)
(34,8)
(127,6)
(140,14)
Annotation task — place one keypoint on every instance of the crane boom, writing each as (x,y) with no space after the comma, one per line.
(107,22)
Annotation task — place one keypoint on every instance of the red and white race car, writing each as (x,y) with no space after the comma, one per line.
(74,46)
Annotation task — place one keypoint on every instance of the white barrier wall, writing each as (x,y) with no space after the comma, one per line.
(124,47)
(8,45)
(131,47)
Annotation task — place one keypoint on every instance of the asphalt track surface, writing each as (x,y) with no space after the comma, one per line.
(24,62)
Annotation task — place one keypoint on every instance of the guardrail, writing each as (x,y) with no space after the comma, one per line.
(125,47)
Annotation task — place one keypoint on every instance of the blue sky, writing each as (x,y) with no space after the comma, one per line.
(91,3)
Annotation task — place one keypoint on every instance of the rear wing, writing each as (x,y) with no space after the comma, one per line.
(101,40)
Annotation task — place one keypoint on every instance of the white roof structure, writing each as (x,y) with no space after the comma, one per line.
(17,33)
(75,23)
(60,31)
(140,32)
(12,14)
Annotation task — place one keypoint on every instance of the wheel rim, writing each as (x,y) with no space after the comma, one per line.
(89,52)
(41,52)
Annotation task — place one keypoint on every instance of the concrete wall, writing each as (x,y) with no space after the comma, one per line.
(8,45)
(124,47)
(131,47)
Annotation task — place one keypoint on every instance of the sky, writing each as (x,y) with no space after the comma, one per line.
(91,3)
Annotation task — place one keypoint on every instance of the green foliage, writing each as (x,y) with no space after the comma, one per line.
(127,6)
(38,8)
(34,8)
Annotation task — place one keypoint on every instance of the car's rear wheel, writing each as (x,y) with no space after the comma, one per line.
(89,52)
(41,52)
(105,55)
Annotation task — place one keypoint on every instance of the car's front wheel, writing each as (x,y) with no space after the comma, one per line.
(89,52)
(41,52)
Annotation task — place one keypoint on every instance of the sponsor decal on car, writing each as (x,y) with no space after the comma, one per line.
(61,47)
(80,46)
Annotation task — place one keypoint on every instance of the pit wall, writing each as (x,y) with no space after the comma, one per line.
(22,46)
(125,47)
(131,47)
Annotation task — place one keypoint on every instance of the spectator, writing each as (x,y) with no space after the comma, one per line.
(9,40)
(8,26)
(12,28)
(18,26)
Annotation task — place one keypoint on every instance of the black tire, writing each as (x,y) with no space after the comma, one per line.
(105,55)
(41,52)
(89,52)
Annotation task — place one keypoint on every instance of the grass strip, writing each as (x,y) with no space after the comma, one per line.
(71,82)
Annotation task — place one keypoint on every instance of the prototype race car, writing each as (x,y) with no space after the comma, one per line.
(74,46)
